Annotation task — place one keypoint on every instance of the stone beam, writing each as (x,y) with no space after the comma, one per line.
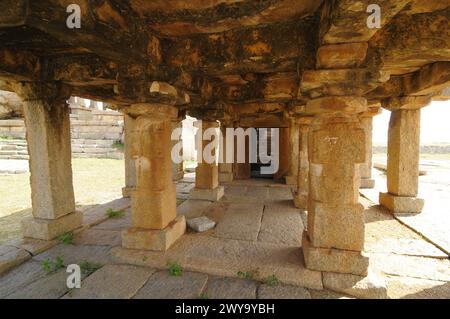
(12,13)
(19,65)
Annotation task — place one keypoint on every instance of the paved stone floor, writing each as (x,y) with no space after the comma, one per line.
(253,252)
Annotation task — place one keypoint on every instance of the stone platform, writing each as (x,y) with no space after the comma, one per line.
(257,238)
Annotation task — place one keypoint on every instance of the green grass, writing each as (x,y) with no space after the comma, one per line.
(88,268)
(115,213)
(175,269)
(272,280)
(51,266)
(118,145)
(66,239)
(245,275)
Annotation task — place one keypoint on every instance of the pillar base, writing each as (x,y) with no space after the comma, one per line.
(212,195)
(401,204)
(225,177)
(291,180)
(154,239)
(178,176)
(127,191)
(367,183)
(334,260)
(48,229)
(301,201)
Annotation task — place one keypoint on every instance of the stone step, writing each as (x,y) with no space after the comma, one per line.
(15,157)
(13,141)
(8,152)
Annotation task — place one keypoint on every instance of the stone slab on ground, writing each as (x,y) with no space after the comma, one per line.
(226,257)
(280,194)
(33,246)
(414,288)
(192,208)
(99,237)
(52,286)
(98,213)
(230,288)
(241,221)
(282,224)
(11,257)
(328,294)
(75,254)
(162,285)
(282,292)
(112,282)
(20,276)
(117,223)
(201,224)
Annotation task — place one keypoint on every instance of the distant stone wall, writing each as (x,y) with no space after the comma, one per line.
(424,149)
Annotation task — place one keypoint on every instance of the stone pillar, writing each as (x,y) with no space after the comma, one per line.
(225,169)
(130,167)
(155,225)
(47,120)
(206,174)
(177,168)
(334,240)
(301,196)
(294,135)
(366,168)
(403,161)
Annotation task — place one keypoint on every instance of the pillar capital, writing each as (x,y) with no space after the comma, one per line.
(45,91)
(340,106)
(406,103)
(154,110)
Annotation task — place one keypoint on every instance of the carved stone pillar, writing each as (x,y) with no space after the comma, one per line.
(301,196)
(177,168)
(225,169)
(155,225)
(334,240)
(207,174)
(294,135)
(47,119)
(130,167)
(366,119)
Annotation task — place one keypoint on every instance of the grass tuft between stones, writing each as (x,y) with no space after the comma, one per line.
(51,266)
(175,269)
(115,213)
(66,239)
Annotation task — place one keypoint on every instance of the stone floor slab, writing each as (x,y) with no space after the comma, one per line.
(230,288)
(162,285)
(98,213)
(413,288)
(75,254)
(193,208)
(11,257)
(118,223)
(282,292)
(99,237)
(19,277)
(112,282)
(33,246)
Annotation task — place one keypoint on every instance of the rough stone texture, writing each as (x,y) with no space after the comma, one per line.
(48,229)
(336,260)
(98,213)
(33,246)
(112,282)
(414,288)
(20,277)
(370,287)
(192,208)
(337,56)
(52,286)
(212,195)
(230,288)
(162,285)
(401,204)
(130,167)
(201,224)
(154,239)
(282,292)
(11,257)
(301,197)
(74,254)
(98,237)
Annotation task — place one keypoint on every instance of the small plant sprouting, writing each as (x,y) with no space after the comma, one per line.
(245,275)
(175,269)
(115,213)
(88,268)
(144,259)
(203,295)
(66,239)
(52,266)
(272,280)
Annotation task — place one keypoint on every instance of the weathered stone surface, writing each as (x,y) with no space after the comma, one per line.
(162,285)
(74,254)
(154,239)
(48,229)
(401,204)
(192,208)
(112,282)
(98,213)
(338,56)
(201,224)
(372,286)
(336,260)
(119,223)
(230,288)
(98,237)
(11,257)
(33,246)
(414,288)
(327,294)
(282,292)
(20,277)
(212,195)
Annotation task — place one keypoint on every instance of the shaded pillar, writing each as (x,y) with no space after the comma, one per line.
(403,162)
(47,119)
(155,225)
(301,196)
(366,168)
(226,174)
(294,134)
(207,174)
(177,168)
(334,240)
(130,167)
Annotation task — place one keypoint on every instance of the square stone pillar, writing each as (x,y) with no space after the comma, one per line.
(130,167)
(207,174)
(301,196)
(177,168)
(294,136)
(334,240)
(366,168)
(47,119)
(403,163)
(226,174)
(155,225)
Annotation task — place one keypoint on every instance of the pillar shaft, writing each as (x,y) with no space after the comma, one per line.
(47,119)
(130,167)
(225,169)
(177,168)
(301,197)
(294,136)
(366,168)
